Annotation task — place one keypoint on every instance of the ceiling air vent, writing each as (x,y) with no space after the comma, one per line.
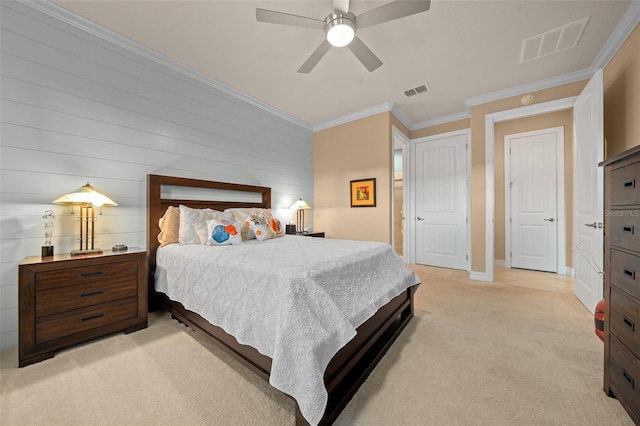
(552,41)
(416,90)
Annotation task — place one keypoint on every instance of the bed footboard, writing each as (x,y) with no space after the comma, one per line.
(348,369)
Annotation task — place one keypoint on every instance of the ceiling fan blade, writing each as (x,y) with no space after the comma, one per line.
(315,57)
(391,11)
(366,56)
(273,17)
(341,5)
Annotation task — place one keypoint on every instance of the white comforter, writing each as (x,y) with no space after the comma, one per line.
(295,299)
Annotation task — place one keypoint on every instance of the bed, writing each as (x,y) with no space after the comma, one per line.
(351,361)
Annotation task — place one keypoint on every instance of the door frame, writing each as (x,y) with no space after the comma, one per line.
(490,120)
(396,134)
(467,134)
(560,194)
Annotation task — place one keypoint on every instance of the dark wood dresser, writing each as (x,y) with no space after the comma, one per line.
(64,300)
(622,280)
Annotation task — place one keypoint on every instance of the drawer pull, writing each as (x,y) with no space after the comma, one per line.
(630,184)
(91,274)
(629,323)
(92,317)
(628,378)
(628,228)
(92,293)
(630,273)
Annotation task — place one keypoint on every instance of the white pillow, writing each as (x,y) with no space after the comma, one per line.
(189,217)
(202,231)
(223,232)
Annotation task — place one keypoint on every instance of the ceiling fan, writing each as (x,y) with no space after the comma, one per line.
(341,25)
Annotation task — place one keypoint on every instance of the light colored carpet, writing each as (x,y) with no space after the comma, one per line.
(520,351)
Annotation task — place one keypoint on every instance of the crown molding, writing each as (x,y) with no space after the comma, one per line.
(358,115)
(629,20)
(440,120)
(619,35)
(68,17)
(530,87)
(400,115)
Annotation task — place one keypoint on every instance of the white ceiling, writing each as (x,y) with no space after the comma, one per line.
(461,49)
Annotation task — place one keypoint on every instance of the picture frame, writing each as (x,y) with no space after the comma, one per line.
(363,192)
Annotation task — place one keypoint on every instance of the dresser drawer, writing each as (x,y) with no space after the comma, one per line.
(625,185)
(624,321)
(107,272)
(49,302)
(624,228)
(625,272)
(624,372)
(65,324)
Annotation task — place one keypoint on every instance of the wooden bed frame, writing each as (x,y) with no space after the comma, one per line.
(348,369)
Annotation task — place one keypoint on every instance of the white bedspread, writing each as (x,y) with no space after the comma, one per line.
(295,299)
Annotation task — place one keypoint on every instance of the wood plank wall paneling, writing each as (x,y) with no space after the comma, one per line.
(76,109)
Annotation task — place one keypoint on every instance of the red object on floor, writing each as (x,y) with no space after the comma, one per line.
(598,318)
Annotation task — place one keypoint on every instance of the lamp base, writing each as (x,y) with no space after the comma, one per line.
(85,251)
(47,251)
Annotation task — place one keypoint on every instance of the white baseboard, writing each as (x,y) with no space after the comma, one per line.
(568,271)
(479,276)
(499,263)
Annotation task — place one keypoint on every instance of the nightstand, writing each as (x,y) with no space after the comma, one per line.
(313,234)
(65,300)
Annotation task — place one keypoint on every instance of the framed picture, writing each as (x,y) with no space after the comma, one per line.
(363,193)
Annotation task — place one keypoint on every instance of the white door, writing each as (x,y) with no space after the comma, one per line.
(588,193)
(533,201)
(441,201)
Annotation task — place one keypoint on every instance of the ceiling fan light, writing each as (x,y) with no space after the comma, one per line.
(340,29)
(340,35)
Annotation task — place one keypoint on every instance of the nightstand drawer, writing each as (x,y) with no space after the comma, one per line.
(64,299)
(624,374)
(107,272)
(625,272)
(625,321)
(624,228)
(65,324)
(625,185)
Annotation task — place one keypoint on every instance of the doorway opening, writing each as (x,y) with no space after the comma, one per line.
(399,198)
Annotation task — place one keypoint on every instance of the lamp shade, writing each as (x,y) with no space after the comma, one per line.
(86,194)
(300,205)
(340,29)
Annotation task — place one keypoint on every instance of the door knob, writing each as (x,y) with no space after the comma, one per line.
(420,218)
(551,219)
(593,225)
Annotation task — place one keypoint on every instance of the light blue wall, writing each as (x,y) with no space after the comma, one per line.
(76,108)
(397,161)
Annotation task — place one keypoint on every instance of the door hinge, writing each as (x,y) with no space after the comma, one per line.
(467,257)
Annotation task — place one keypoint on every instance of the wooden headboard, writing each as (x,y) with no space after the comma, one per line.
(156,205)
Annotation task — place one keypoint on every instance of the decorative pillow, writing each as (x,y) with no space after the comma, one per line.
(260,226)
(240,215)
(277,227)
(169,225)
(189,216)
(223,232)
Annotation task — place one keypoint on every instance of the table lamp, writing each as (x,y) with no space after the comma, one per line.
(300,206)
(86,197)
